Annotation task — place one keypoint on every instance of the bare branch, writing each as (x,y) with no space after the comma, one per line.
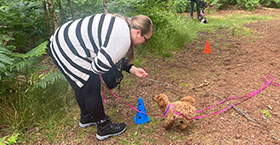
(240,111)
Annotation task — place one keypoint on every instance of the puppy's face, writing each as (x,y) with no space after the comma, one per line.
(161,99)
(156,98)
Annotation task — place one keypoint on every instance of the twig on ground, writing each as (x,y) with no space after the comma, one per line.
(240,111)
(204,84)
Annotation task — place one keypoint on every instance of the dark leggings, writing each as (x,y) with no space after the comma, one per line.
(197,7)
(89,96)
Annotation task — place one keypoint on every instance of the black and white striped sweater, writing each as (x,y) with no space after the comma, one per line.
(85,45)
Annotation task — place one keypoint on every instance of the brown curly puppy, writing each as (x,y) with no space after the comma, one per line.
(185,107)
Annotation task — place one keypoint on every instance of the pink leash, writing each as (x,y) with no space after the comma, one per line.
(265,85)
(162,115)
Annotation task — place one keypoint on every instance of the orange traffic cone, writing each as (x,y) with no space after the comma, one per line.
(207,47)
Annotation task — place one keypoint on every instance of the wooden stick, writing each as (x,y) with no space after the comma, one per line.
(240,111)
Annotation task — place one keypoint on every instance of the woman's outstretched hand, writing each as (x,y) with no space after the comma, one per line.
(139,72)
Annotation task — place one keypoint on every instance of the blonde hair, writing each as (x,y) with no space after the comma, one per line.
(143,23)
(139,22)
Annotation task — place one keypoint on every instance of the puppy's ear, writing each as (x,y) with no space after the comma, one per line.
(156,98)
(188,99)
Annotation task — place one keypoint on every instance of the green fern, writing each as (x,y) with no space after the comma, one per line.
(5,61)
(20,65)
(48,79)
(12,62)
(4,56)
(214,2)
(37,51)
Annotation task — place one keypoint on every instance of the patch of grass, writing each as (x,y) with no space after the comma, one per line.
(184,84)
(165,54)
(220,64)
(211,75)
(128,82)
(172,70)
(202,92)
(197,73)
(234,23)
(9,139)
(266,113)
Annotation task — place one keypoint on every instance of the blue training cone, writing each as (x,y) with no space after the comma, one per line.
(141,118)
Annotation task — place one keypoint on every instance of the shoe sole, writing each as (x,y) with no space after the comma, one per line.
(109,135)
(87,124)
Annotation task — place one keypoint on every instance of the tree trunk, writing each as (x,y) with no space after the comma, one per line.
(52,12)
(105,4)
(47,18)
(61,11)
(71,9)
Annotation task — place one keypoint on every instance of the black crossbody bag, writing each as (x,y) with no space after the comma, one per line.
(114,76)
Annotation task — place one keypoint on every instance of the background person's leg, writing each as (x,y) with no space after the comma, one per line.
(198,8)
(192,7)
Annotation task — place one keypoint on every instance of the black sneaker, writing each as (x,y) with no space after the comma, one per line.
(110,129)
(86,121)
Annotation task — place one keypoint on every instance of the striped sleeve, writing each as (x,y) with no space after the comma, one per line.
(114,41)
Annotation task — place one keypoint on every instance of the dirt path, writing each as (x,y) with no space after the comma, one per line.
(236,67)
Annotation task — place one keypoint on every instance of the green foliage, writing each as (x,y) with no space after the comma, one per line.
(5,60)
(81,8)
(178,6)
(11,63)
(50,78)
(244,4)
(11,140)
(277,2)
(248,4)
(270,3)
(173,31)
(28,89)
(266,113)
(25,105)
(22,20)
(220,4)
(37,51)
